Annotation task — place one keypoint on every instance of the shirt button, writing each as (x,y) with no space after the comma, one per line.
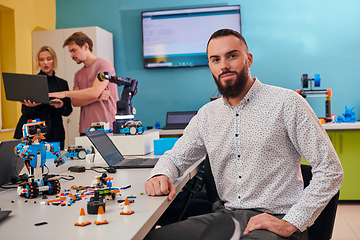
(238,197)
(239,176)
(238,156)
(237,114)
(236,135)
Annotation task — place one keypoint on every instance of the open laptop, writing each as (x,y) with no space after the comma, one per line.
(10,164)
(178,120)
(4,214)
(112,155)
(20,87)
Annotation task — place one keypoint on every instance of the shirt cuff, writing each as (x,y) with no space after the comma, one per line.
(165,167)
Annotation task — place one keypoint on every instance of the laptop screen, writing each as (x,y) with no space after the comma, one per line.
(180,117)
(10,164)
(105,146)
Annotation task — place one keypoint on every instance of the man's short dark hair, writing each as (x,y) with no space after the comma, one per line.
(80,39)
(227,32)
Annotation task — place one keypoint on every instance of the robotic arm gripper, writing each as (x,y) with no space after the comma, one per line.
(124,106)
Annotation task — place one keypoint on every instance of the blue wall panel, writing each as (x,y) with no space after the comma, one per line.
(287,38)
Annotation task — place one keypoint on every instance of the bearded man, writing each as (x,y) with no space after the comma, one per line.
(255,137)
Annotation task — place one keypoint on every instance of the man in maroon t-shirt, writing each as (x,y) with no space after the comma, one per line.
(96,99)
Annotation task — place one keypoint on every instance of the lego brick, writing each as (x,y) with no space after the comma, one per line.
(56,146)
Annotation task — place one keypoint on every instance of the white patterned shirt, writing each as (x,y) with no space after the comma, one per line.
(255,151)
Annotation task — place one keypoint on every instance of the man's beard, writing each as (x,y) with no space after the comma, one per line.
(233,90)
(78,62)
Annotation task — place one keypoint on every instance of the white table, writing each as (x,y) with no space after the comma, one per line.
(342,126)
(60,220)
(171,132)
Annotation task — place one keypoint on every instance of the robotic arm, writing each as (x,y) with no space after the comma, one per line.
(124,106)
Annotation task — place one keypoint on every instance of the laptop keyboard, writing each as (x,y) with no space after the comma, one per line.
(135,162)
(174,127)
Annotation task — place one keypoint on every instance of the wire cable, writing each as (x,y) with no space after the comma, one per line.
(107,169)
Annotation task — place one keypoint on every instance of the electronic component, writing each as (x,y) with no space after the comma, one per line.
(76,169)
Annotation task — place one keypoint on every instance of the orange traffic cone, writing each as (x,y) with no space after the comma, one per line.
(100,217)
(127,210)
(82,219)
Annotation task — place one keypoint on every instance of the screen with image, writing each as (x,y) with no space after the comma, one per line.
(178,38)
(180,117)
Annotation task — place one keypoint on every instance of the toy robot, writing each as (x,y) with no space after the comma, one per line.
(79,152)
(100,126)
(33,150)
(132,128)
(103,191)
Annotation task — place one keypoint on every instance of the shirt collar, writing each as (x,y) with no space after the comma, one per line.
(255,88)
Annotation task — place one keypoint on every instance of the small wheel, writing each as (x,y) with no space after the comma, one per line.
(317,80)
(92,129)
(28,190)
(305,81)
(133,130)
(54,187)
(82,154)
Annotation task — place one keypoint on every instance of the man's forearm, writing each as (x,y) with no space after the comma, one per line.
(76,102)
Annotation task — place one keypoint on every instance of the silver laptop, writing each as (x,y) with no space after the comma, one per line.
(20,87)
(112,155)
(178,120)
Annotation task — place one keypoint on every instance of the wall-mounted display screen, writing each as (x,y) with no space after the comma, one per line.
(178,38)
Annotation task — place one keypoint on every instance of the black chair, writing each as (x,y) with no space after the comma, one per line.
(192,200)
(184,205)
(201,202)
(322,228)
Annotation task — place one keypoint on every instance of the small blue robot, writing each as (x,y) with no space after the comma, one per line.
(132,127)
(33,150)
(79,152)
(100,126)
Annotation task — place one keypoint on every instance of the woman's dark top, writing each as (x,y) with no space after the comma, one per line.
(45,112)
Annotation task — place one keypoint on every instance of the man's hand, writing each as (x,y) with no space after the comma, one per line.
(270,223)
(58,94)
(160,185)
(104,95)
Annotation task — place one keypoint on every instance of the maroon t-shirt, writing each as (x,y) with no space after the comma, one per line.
(99,111)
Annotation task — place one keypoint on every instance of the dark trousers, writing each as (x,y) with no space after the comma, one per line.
(192,227)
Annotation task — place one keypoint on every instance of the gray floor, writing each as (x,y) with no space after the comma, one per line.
(347,221)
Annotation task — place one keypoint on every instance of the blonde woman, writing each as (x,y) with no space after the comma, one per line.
(50,113)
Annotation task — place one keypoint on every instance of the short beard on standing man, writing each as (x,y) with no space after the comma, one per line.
(233,90)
